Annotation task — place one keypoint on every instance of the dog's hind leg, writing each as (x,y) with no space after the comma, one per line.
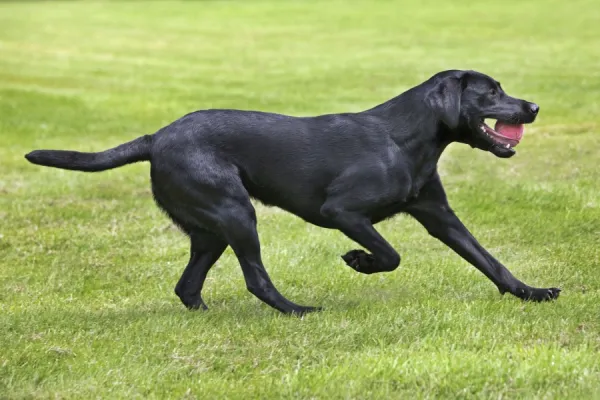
(239,229)
(213,198)
(206,248)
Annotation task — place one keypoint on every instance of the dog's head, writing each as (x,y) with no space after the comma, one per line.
(462,100)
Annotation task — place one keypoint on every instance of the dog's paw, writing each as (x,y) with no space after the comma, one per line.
(300,311)
(193,302)
(359,261)
(535,294)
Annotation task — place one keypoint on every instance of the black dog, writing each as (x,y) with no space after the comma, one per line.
(341,171)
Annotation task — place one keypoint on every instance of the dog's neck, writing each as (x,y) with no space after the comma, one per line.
(415,129)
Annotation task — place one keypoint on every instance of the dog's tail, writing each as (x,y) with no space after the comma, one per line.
(127,153)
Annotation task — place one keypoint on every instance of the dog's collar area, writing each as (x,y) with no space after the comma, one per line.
(504,134)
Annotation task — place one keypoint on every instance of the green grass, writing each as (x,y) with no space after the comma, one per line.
(88,263)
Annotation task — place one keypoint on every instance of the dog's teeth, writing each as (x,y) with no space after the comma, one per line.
(507,146)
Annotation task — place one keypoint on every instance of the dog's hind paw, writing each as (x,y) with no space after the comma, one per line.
(360,261)
(303,310)
(193,303)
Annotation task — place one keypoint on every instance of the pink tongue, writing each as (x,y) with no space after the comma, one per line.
(508,130)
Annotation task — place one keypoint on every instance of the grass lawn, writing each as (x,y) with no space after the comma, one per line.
(88,263)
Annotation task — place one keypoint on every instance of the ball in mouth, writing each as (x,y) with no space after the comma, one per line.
(504,134)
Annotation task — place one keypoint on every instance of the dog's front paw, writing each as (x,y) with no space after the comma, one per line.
(359,260)
(535,294)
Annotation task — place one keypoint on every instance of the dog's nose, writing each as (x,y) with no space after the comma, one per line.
(534,108)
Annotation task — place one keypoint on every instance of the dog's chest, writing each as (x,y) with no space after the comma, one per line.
(419,181)
(406,189)
(410,179)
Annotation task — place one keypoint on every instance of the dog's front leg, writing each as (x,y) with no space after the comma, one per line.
(383,257)
(431,209)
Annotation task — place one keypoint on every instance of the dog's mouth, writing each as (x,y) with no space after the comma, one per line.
(504,134)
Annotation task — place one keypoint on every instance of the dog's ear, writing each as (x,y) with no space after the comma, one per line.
(444,100)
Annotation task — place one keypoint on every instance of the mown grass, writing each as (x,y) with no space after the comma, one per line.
(88,263)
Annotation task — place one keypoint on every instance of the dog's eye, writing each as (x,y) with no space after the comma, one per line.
(493,92)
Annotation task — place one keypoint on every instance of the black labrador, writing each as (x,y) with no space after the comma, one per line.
(341,171)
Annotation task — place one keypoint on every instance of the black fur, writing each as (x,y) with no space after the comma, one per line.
(341,171)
